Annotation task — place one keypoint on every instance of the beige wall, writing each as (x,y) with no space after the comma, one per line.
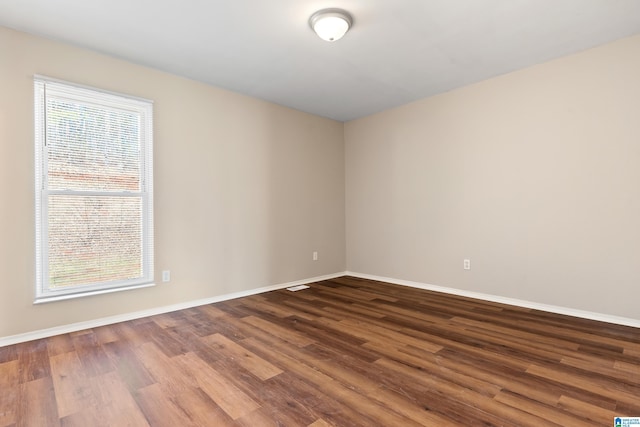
(244,190)
(534,176)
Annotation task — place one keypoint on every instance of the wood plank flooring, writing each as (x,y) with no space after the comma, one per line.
(346,352)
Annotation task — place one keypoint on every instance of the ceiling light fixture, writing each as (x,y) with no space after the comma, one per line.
(330,24)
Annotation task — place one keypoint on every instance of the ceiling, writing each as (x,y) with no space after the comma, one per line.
(397,51)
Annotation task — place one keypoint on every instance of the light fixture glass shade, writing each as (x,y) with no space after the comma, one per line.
(330,24)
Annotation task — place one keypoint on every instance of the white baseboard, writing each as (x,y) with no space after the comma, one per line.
(64,329)
(74,327)
(504,300)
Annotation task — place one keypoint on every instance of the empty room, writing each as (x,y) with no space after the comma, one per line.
(319,213)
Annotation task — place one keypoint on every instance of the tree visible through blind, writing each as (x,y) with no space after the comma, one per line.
(94,203)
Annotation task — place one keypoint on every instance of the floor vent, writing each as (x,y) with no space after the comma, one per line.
(297,288)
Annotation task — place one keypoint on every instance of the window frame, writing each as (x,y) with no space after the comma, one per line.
(44,86)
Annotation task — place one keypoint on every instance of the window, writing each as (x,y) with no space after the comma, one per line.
(94,199)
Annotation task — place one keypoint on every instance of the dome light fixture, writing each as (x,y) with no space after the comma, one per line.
(330,24)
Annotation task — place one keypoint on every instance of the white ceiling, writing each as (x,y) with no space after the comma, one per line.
(398,51)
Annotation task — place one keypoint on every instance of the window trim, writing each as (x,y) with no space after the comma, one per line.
(81,93)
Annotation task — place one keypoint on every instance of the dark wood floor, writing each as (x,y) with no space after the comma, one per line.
(346,352)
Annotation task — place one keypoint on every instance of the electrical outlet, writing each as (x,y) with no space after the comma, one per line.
(166,275)
(315,256)
(466,264)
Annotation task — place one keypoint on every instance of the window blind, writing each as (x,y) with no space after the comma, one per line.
(94,190)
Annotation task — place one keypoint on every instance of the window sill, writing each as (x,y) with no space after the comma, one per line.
(53,298)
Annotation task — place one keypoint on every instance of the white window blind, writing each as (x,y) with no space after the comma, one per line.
(94,204)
